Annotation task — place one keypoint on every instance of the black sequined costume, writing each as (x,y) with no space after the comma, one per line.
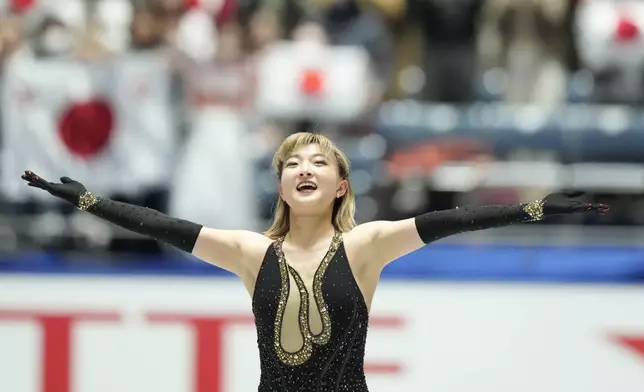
(332,361)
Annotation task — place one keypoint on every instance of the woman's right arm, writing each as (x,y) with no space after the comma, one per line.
(227,249)
(222,248)
(237,251)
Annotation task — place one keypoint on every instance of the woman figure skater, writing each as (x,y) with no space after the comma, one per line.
(312,275)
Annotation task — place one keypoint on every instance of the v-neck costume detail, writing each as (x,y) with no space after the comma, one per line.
(331,360)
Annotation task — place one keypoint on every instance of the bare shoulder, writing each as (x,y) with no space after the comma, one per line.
(253,249)
(378,243)
(357,242)
(254,245)
(361,255)
(250,238)
(365,231)
(238,251)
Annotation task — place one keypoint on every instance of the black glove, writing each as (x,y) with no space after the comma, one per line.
(435,225)
(568,203)
(69,190)
(176,232)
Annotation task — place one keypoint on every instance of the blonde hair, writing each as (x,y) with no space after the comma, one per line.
(343,216)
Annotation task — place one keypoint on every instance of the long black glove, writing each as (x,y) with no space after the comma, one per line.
(142,220)
(435,225)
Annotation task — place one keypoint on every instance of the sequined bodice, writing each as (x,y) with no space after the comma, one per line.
(328,360)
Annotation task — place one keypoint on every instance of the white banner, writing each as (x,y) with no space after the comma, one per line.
(307,80)
(106,334)
(108,126)
(608,34)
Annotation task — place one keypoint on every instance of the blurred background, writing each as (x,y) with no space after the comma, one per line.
(178,105)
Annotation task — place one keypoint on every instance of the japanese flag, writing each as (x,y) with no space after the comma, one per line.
(308,80)
(108,126)
(609,33)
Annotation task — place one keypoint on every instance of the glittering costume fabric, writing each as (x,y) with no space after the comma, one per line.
(330,361)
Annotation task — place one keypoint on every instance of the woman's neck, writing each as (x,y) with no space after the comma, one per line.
(305,232)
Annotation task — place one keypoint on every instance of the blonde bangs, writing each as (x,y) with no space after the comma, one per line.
(299,140)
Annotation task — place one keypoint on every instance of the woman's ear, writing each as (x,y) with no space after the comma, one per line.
(342,189)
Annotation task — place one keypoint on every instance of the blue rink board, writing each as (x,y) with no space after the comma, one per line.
(434,262)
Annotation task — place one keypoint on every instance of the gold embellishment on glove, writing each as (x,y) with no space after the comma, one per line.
(534,210)
(86,200)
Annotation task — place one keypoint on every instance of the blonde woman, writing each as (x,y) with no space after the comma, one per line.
(313,273)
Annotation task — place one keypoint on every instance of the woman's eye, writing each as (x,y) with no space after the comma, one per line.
(320,163)
(290,164)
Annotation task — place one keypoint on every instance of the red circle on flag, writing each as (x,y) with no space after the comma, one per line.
(312,82)
(627,29)
(21,5)
(86,127)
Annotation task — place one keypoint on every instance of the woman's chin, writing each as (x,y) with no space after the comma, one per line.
(306,202)
(307,195)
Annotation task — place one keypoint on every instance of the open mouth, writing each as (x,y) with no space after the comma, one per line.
(306,187)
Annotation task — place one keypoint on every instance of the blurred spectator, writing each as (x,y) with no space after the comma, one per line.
(192,25)
(146,31)
(348,22)
(168,15)
(216,157)
(90,45)
(114,18)
(10,35)
(531,42)
(390,9)
(53,38)
(310,31)
(230,44)
(448,29)
(169,11)
(263,29)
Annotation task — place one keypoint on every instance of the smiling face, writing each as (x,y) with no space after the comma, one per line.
(313,175)
(310,181)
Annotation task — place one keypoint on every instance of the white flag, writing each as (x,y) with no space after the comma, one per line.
(108,126)
(306,80)
(609,34)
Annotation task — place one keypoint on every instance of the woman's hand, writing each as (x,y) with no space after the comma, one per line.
(68,189)
(568,203)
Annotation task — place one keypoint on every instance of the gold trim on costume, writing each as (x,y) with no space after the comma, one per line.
(304,353)
(534,209)
(86,200)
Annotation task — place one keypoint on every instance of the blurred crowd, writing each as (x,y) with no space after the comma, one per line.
(543,51)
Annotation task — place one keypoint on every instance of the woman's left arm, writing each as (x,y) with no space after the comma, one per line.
(392,239)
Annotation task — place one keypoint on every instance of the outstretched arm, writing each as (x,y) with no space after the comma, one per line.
(218,247)
(179,233)
(391,240)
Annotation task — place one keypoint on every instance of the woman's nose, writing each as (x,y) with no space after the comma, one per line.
(304,171)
